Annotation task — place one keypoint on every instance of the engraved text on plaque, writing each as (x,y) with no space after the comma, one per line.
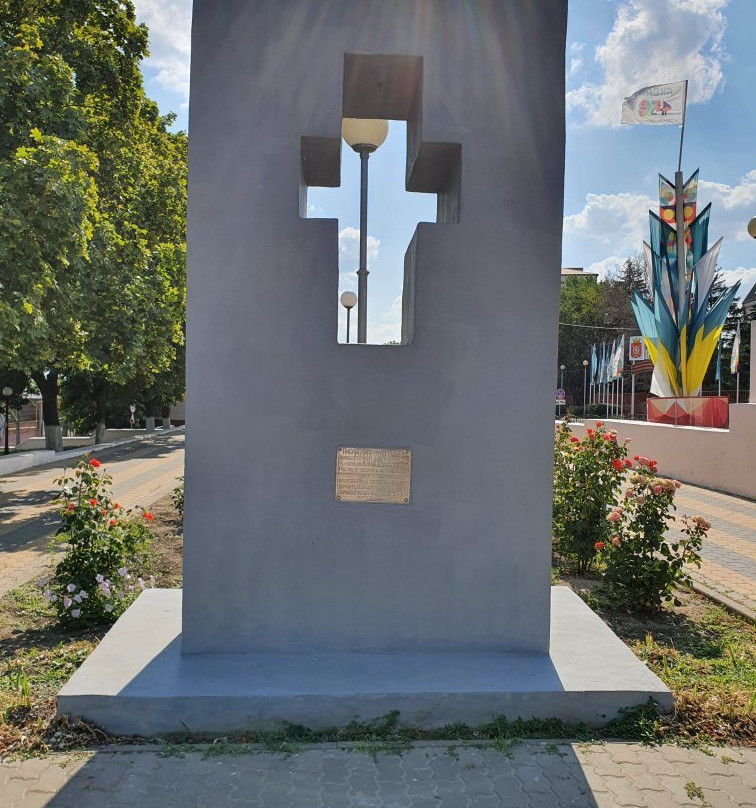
(373,475)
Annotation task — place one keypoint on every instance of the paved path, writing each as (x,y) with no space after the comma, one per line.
(729,550)
(534,775)
(142,472)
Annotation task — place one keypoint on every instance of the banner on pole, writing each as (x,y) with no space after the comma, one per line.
(657,104)
(638,352)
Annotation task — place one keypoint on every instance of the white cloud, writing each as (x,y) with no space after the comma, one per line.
(652,42)
(614,221)
(606,267)
(576,58)
(741,195)
(170,23)
(746,276)
(349,245)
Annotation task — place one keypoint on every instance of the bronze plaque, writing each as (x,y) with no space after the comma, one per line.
(373,475)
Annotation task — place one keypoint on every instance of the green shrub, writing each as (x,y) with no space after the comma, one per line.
(587,480)
(641,565)
(177,497)
(105,550)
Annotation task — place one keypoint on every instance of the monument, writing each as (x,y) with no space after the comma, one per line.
(376,535)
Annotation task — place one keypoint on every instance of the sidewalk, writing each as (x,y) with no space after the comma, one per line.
(531,775)
(142,472)
(728,569)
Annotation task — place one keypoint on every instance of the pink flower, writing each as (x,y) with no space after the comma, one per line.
(67,602)
(657,489)
(615,541)
(614,517)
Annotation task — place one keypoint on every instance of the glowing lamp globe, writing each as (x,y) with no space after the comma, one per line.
(364,134)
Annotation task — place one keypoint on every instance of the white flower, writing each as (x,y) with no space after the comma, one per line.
(75,612)
(67,602)
(152,581)
(140,582)
(71,587)
(108,607)
(77,598)
(99,578)
(120,596)
(53,598)
(83,594)
(122,572)
(42,583)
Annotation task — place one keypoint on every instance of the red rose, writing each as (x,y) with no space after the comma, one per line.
(95,463)
(617,464)
(93,502)
(111,522)
(70,507)
(636,458)
(599,545)
(599,423)
(573,439)
(148,516)
(628,464)
(116,506)
(102,513)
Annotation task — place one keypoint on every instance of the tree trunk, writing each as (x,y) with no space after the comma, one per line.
(167,418)
(48,387)
(98,389)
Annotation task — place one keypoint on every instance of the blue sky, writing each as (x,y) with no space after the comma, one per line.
(614,47)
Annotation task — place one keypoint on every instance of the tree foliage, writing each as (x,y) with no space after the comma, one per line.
(92,199)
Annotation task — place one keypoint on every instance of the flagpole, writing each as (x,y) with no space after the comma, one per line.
(737,387)
(680,217)
(632,396)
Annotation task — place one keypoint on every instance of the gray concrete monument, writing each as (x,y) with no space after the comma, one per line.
(377,535)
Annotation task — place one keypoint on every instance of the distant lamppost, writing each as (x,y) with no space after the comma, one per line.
(364,135)
(585,384)
(561,377)
(348,301)
(7,393)
(752,227)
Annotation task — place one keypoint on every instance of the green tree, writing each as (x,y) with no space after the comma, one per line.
(105,294)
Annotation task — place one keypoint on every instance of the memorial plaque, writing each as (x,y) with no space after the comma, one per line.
(373,475)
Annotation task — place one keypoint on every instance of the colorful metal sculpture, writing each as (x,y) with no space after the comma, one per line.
(681,327)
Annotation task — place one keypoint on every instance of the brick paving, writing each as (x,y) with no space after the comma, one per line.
(142,472)
(530,775)
(729,551)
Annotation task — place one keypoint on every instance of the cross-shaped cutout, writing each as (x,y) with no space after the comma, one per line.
(382,87)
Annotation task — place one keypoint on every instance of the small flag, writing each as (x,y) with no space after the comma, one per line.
(594,363)
(718,373)
(620,356)
(735,356)
(657,104)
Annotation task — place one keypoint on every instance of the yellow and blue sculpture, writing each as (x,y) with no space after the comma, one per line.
(681,324)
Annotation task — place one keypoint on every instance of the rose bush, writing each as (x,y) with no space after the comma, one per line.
(105,550)
(588,475)
(641,563)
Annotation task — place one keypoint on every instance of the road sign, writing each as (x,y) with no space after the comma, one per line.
(560,394)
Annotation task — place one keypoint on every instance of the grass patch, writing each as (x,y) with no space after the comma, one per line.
(705,655)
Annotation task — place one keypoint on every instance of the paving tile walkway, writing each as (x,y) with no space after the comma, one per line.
(142,472)
(729,550)
(532,775)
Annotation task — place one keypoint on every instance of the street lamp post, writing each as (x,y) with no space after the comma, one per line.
(585,384)
(348,301)
(752,227)
(561,377)
(7,393)
(364,135)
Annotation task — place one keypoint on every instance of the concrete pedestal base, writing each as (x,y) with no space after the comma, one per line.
(138,682)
